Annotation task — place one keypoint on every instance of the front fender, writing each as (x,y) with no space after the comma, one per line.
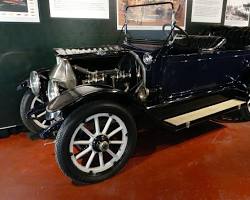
(70,99)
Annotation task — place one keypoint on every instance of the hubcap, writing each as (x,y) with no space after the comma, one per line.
(104,146)
(98,143)
(101,143)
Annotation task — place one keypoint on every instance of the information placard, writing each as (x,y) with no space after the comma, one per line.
(98,9)
(208,11)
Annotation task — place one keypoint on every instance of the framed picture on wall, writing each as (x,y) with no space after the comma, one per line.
(237,13)
(152,17)
(19,11)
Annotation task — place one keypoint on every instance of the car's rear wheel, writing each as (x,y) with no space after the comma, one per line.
(95,141)
(245,112)
(36,123)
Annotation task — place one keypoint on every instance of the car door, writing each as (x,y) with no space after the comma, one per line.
(183,74)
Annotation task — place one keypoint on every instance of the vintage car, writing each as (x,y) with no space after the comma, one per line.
(95,95)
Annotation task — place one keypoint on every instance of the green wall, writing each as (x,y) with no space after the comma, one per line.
(27,46)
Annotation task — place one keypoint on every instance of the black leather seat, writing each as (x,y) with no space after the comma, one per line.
(237,37)
(197,43)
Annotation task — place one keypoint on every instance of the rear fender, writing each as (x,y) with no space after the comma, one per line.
(245,77)
(72,99)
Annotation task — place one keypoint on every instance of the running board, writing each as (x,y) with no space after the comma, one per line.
(187,118)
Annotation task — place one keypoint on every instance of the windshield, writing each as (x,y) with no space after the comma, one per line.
(148,17)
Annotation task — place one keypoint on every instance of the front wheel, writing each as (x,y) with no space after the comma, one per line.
(95,141)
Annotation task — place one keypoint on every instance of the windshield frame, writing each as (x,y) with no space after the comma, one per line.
(143,5)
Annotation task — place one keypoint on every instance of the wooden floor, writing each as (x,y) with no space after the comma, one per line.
(210,161)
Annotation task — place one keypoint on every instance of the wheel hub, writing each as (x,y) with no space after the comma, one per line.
(101,143)
(104,146)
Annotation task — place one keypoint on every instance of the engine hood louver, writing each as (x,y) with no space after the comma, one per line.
(93,50)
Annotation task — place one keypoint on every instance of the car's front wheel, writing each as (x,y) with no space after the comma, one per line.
(95,141)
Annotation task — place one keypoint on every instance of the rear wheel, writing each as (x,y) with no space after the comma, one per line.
(95,142)
(36,123)
(245,112)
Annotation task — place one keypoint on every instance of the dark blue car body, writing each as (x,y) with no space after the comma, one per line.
(177,83)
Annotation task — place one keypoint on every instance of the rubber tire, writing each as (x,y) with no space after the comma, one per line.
(71,123)
(24,109)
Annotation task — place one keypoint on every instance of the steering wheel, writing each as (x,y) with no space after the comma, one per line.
(173,38)
(182,31)
(175,26)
